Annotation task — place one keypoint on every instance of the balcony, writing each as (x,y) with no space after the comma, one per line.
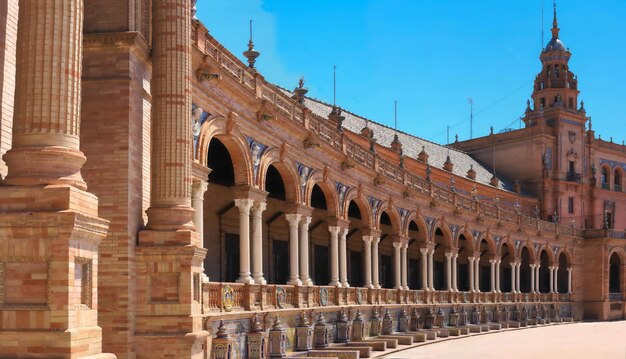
(617,188)
(573,177)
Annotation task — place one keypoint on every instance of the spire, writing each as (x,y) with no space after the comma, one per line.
(555,24)
(251,54)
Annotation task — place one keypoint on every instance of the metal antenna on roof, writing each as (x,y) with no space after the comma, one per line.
(448,139)
(471,102)
(395,115)
(334,85)
(542,25)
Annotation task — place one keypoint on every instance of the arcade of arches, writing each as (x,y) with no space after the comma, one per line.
(202,211)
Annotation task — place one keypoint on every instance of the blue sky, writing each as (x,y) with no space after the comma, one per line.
(431,56)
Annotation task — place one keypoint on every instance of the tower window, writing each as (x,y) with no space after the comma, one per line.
(543,102)
(556,71)
(571,102)
(548,70)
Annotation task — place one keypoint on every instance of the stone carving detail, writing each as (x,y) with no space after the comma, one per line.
(305,173)
(256,339)
(198,117)
(304,334)
(343,328)
(320,333)
(281,297)
(277,340)
(387,323)
(257,150)
(342,190)
(227,298)
(375,204)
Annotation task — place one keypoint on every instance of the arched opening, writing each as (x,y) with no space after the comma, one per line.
(417,239)
(221,229)
(615,275)
(320,237)
(356,261)
(439,260)
(465,251)
(484,268)
(524,275)
(544,272)
(385,251)
(506,257)
(276,264)
(562,275)
(617,181)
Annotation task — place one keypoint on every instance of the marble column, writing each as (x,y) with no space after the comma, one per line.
(448,271)
(471,274)
(424,260)
(244,205)
(551,272)
(556,280)
(431,254)
(537,267)
(343,258)
(367,260)
(334,255)
(294,276)
(305,277)
(375,269)
(513,281)
(197,203)
(404,256)
(569,280)
(455,272)
(257,242)
(492,269)
(477,273)
(498,262)
(397,266)
(517,277)
(532,278)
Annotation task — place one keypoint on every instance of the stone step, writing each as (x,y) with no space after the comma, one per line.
(333,353)
(495,326)
(377,345)
(442,332)
(402,339)
(391,343)
(364,351)
(431,334)
(418,337)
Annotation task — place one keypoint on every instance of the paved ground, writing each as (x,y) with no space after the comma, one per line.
(582,340)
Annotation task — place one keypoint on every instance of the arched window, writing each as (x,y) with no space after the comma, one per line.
(617,181)
(614,274)
(548,72)
(605,178)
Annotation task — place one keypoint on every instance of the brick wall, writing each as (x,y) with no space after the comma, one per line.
(8,39)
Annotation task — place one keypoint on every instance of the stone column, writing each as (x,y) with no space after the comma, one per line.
(343,258)
(513,282)
(537,266)
(397,266)
(334,256)
(431,253)
(197,203)
(404,256)
(455,270)
(555,280)
(498,262)
(257,242)
(517,277)
(50,226)
(304,251)
(569,280)
(244,205)
(532,278)
(492,264)
(424,252)
(294,277)
(375,270)
(448,271)
(367,260)
(471,274)
(477,273)
(551,271)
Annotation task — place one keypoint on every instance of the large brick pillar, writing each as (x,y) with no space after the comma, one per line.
(49,225)
(170,253)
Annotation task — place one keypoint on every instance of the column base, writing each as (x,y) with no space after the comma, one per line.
(398,287)
(335,284)
(307,281)
(294,281)
(345,285)
(245,279)
(258,279)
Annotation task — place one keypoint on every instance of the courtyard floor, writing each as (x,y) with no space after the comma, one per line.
(581,340)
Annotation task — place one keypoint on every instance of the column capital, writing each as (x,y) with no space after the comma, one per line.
(371,232)
(258,195)
(258,208)
(200,172)
(334,230)
(293,219)
(551,267)
(198,188)
(569,269)
(424,251)
(338,222)
(305,221)
(492,261)
(448,254)
(397,245)
(367,239)
(244,204)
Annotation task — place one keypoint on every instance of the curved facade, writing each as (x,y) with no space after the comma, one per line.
(214,195)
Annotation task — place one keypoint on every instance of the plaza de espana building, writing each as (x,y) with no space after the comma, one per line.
(160,198)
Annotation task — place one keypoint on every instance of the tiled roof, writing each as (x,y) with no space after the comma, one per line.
(411,145)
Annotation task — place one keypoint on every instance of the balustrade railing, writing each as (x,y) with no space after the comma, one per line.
(334,138)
